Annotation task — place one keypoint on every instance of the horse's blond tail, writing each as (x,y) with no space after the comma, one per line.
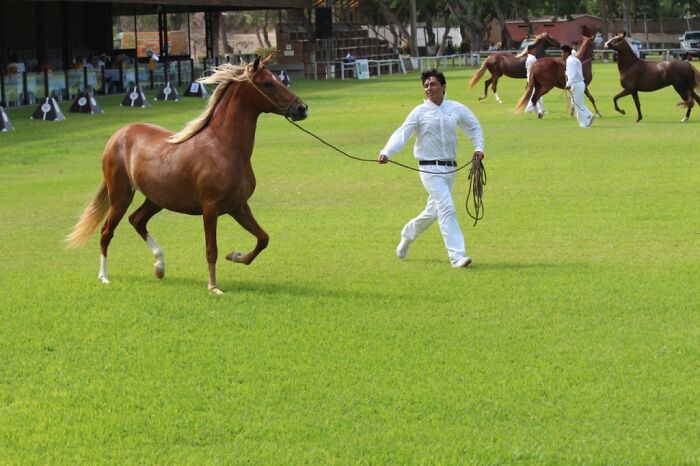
(90,219)
(478,75)
(520,106)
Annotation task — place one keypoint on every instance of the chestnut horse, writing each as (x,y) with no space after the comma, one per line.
(506,64)
(548,72)
(640,75)
(205,169)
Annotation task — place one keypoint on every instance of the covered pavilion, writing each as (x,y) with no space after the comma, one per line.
(43,44)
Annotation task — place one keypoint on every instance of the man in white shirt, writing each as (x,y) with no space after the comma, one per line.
(577,86)
(529,61)
(435,123)
(598,40)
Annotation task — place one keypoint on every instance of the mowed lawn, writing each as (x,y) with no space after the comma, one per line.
(573,339)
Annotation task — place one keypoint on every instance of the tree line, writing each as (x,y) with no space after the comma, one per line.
(472,17)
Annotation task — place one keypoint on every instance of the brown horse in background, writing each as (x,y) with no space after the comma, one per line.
(506,64)
(548,72)
(203,170)
(640,75)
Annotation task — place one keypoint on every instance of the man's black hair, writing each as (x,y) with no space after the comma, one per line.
(566,48)
(430,73)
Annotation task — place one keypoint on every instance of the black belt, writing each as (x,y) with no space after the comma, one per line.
(444,163)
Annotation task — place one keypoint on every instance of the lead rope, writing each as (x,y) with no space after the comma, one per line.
(477,181)
(477,172)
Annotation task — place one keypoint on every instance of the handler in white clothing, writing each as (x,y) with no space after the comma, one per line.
(529,61)
(577,86)
(435,123)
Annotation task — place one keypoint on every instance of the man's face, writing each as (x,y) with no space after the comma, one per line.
(434,91)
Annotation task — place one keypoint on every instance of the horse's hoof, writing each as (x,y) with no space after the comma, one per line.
(235,257)
(684,120)
(104,280)
(215,290)
(540,115)
(621,111)
(482,97)
(160,271)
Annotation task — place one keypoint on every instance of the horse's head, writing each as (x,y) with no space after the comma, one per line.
(616,43)
(541,42)
(272,95)
(585,50)
(548,40)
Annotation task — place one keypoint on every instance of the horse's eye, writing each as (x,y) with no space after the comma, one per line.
(269,84)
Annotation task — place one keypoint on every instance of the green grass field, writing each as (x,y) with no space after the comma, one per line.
(573,339)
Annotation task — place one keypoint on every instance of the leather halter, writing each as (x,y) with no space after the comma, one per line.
(285,111)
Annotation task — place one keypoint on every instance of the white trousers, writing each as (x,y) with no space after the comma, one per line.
(440,207)
(583,115)
(540,104)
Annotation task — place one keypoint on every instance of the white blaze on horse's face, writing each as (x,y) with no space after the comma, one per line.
(612,43)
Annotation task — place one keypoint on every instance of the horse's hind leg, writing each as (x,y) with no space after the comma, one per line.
(139,219)
(590,97)
(245,218)
(487,83)
(494,88)
(687,97)
(119,200)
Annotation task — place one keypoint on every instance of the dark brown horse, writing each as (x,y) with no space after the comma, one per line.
(506,64)
(548,72)
(203,170)
(640,75)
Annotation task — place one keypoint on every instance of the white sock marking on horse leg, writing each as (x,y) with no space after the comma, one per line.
(158,254)
(103,270)
(498,99)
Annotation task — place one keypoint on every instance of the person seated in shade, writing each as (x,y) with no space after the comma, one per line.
(15,66)
(284,77)
(349,58)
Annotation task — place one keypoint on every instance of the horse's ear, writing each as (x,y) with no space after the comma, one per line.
(256,63)
(267,60)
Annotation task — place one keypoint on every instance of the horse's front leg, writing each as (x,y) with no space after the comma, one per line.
(245,218)
(635,96)
(623,93)
(210,216)
(590,97)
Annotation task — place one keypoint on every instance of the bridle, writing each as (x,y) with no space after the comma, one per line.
(285,111)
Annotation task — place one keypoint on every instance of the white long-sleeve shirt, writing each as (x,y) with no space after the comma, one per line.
(574,71)
(529,61)
(436,131)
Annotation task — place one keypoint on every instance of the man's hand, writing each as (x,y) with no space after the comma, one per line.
(382,159)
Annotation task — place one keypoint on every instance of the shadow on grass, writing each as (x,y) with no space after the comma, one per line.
(477,266)
(268,287)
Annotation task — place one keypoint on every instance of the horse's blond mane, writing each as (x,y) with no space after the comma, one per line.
(222,76)
(538,38)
